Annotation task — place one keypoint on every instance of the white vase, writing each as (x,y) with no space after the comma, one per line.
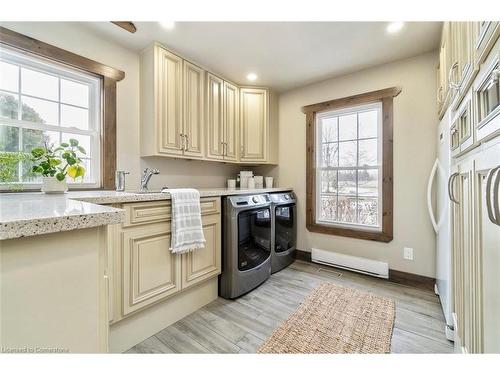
(51,185)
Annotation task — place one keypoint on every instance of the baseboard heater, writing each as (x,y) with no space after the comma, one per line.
(351,263)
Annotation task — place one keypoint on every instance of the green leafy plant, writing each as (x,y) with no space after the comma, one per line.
(60,161)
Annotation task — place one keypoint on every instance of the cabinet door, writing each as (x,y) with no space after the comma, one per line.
(469,261)
(488,240)
(231,122)
(169,102)
(215,121)
(254,125)
(486,34)
(203,264)
(193,110)
(150,271)
(445,62)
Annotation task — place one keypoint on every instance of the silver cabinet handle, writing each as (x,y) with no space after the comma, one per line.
(183,147)
(493,212)
(496,204)
(450,188)
(186,140)
(452,84)
(440,95)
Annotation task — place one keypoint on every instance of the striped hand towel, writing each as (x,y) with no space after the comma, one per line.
(187,231)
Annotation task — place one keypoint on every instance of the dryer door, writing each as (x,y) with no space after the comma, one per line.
(254,238)
(285,227)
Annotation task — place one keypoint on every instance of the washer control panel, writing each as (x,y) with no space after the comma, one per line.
(288,197)
(249,200)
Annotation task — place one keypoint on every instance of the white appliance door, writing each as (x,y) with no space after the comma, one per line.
(444,273)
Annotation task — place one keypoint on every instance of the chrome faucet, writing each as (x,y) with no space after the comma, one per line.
(146,176)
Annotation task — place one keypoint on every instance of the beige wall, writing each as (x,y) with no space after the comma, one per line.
(77,38)
(415,123)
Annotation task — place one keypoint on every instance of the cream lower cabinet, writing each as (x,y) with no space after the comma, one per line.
(145,271)
(476,256)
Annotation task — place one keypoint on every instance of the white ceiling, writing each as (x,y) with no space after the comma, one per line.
(284,55)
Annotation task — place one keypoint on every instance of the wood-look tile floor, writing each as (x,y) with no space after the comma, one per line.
(242,325)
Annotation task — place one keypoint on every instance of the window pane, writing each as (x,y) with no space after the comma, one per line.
(39,84)
(83,140)
(368,151)
(347,209)
(348,127)
(328,209)
(39,111)
(368,182)
(348,154)
(9,106)
(73,117)
(329,155)
(368,124)
(9,139)
(9,77)
(35,138)
(328,181)
(347,182)
(368,211)
(74,93)
(329,129)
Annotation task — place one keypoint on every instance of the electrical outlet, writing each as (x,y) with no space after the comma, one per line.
(408,253)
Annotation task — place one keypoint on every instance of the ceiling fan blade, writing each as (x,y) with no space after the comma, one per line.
(127,25)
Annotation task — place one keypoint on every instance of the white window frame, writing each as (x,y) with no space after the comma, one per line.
(318,168)
(94,83)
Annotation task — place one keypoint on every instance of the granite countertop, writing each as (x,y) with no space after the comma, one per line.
(29,214)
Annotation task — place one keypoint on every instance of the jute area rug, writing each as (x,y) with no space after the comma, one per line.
(336,319)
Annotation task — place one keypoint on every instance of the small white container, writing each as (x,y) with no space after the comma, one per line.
(231,183)
(251,183)
(51,185)
(259,182)
(269,182)
(243,182)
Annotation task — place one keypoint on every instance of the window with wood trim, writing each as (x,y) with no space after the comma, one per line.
(48,95)
(349,166)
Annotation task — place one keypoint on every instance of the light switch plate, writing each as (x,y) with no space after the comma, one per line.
(408,253)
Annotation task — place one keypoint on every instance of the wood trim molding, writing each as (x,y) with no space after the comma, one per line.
(37,47)
(109,77)
(398,277)
(108,132)
(364,98)
(384,96)
(126,25)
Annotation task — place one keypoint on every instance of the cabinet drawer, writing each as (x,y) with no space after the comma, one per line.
(157,211)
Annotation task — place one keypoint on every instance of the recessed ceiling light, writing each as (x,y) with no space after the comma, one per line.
(169,25)
(394,27)
(251,76)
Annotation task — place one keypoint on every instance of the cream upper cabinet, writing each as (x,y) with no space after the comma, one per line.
(215,121)
(254,125)
(169,102)
(187,112)
(231,122)
(172,105)
(194,105)
(486,34)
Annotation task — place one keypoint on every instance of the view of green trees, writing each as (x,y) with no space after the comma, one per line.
(9,139)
